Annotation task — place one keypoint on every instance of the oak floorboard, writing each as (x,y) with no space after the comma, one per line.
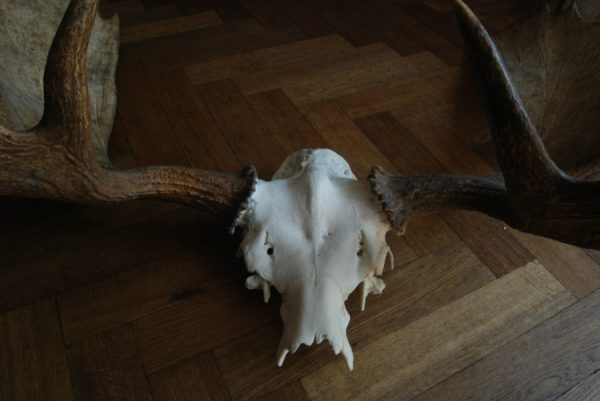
(287,126)
(417,357)
(306,68)
(33,362)
(241,127)
(146,16)
(410,97)
(194,379)
(490,240)
(86,258)
(569,264)
(165,27)
(189,48)
(269,59)
(160,283)
(203,144)
(344,137)
(540,365)
(413,290)
(200,324)
(375,72)
(290,392)
(587,390)
(107,367)
(418,32)
(304,19)
(149,134)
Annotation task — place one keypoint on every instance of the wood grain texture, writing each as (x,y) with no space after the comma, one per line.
(569,264)
(412,291)
(33,363)
(165,277)
(200,324)
(194,379)
(587,390)
(269,59)
(168,27)
(162,282)
(108,367)
(540,365)
(456,337)
(292,392)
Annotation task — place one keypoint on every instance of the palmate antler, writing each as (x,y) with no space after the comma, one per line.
(65,156)
(534,194)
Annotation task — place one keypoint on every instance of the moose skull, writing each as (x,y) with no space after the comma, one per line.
(315,233)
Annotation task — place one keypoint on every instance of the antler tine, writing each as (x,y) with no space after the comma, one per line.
(58,159)
(66,99)
(520,151)
(536,196)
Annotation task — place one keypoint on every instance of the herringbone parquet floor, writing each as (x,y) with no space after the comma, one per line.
(146,301)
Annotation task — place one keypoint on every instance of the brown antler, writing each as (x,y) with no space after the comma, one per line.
(535,196)
(65,156)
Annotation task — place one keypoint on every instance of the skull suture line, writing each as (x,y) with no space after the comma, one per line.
(315,233)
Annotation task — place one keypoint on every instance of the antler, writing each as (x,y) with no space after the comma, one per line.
(65,156)
(535,195)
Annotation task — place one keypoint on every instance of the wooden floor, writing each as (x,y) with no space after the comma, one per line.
(146,301)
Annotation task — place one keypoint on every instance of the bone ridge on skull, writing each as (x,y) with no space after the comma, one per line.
(315,233)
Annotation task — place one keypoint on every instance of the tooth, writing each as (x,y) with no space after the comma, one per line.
(281,357)
(347,353)
(266,287)
(391,255)
(363,295)
(336,346)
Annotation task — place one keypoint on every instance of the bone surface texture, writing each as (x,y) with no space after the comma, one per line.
(315,233)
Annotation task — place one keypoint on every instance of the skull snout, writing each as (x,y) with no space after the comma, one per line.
(313,312)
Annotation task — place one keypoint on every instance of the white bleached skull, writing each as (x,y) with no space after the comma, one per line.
(315,233)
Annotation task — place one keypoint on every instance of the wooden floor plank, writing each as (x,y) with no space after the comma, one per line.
(91,309)
(490,240)
(287,126)
(412,291)
(410,97)
(77,263)
(194,379)
(344,137)
(375,72)
(306,68)
(407,362)
(540,365)
(243,130)
(33,363)
(107,367)
(165,27)
(587,390)
(202,142)
(149,134)
(291,392)
(418,32)
(200,324)
(268,59)
(569,264)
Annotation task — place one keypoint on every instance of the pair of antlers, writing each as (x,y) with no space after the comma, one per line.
(65,156)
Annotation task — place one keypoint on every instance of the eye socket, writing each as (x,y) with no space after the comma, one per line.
(270,251)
